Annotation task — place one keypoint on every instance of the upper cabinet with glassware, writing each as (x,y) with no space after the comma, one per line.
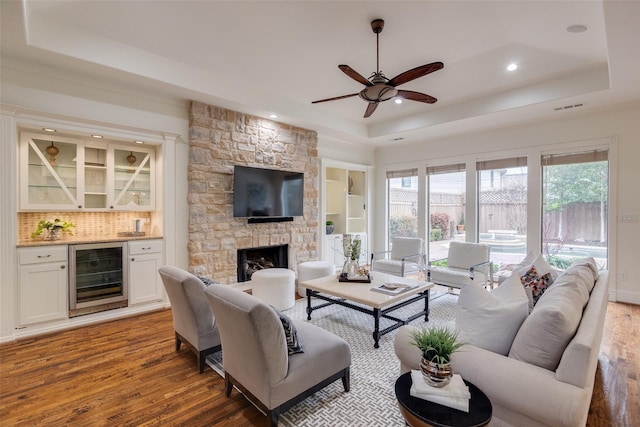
(75,174)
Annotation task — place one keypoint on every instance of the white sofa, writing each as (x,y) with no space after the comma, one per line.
(523,394)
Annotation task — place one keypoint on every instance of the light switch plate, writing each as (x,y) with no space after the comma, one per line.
(628,218)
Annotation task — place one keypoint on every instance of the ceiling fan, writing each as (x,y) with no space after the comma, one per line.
(379,88)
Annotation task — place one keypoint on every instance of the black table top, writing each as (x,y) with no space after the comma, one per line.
(442,416)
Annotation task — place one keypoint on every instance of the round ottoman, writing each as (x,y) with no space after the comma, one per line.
(275,286)
(312,270)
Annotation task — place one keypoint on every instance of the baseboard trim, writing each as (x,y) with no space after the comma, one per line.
(631,297)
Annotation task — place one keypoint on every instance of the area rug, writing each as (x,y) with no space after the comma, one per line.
(371,401)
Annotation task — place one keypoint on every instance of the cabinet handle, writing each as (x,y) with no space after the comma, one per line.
(133,259)
(79,206)
(62,267)
(146,249)
(44,256)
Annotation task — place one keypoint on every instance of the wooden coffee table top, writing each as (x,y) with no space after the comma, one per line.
(362,293)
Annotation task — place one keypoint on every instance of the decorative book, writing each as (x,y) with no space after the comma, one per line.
(393,288)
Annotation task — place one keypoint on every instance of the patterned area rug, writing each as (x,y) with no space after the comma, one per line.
(371,401)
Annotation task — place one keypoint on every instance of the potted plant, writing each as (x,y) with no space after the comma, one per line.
(460,226)
(54,229)
(437,344)
(330,226)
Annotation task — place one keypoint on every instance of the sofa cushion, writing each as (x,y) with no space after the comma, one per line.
(490,320)
(544,335)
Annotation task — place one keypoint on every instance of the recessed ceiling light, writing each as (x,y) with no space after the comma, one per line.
(48,130)
(96,136)
(398,101)
(577,28)
(512,67)
(273,116)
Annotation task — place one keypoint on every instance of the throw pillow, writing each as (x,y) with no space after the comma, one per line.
(207,281)
(535,284)
(536,277)
(290,332)
(490,320)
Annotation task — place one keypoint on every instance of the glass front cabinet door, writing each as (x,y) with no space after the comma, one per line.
(133,179)
(60,173)
(49,173)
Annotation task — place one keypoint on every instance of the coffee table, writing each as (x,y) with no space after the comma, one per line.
(348,294)
(419,412)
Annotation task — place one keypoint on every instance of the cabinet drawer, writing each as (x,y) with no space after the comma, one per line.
(42,254)
(145,247)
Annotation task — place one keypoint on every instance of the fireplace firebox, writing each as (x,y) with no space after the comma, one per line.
(251,260)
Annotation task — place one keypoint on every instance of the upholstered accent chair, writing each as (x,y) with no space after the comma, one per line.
(467,263)
(193,321)
(405,257)
(256,358)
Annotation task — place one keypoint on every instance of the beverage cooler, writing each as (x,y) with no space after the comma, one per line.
(98,277)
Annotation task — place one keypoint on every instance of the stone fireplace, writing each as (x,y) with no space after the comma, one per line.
(251,260)
(218,140)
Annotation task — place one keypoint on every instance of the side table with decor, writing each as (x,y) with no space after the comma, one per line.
(419,412)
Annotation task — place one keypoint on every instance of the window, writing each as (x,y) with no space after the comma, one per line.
(575,194)
(502,208)
(447,203)
(403,203)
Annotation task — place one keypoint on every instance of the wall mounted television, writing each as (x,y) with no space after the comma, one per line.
(267,195)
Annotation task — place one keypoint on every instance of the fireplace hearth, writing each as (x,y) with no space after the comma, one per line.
(251,260)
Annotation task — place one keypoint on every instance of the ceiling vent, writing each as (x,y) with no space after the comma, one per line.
(568,107)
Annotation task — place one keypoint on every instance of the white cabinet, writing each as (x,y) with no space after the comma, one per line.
(145,258)
(334,251)
(65,173)
(42,284)
(345,202)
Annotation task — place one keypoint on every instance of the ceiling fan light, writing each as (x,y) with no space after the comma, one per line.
(378,93)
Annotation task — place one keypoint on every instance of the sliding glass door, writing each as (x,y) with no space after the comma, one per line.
(502,208)
(447,203)
(575,194)
(402,196)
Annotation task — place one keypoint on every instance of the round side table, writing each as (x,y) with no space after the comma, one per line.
(419,412)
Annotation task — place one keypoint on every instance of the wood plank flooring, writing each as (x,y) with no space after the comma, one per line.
(127,373)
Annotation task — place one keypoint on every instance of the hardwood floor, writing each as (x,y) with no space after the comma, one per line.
(127,373)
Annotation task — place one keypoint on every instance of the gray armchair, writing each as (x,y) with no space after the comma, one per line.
(256,358)
(405,257)
(467,263)
(193,321)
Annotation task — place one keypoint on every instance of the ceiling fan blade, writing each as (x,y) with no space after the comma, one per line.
(335,98)
(354,75)
(414,73)
(416,96)
(370,109)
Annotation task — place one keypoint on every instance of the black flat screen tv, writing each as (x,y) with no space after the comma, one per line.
(267,193)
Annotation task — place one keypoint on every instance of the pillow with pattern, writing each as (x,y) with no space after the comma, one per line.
(290,332)
(536,283)
(207,281)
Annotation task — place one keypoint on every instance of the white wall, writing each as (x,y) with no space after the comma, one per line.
(622,126)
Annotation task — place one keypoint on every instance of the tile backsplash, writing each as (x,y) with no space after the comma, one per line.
(87,224)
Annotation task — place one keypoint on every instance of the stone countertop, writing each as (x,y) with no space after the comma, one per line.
(76,240)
